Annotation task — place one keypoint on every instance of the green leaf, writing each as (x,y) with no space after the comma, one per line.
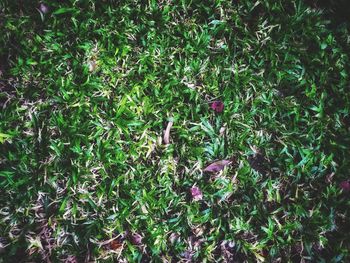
(4,137)
(65,10)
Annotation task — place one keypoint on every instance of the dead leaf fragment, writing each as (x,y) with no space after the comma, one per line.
(167,132)
(136,239)
(44,8)
(217,106)
(222,131)
(345,186)
(217,166)
(115,244)
(92,65)
(196,193)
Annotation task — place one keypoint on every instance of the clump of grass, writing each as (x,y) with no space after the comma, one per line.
(88,89)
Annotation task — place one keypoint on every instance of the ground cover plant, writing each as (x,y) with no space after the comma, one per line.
(164,131)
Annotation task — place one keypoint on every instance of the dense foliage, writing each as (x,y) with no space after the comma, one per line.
(87,89)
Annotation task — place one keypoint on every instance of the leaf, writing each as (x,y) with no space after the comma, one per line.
(65,10)
(217,166)
(4,137)
(136,239)
(345,186)
(222,131)
(208,128)
(217,106)
(9,176)
(215,22)
(63,205)
(259,257)
(115,244)
(166,137)
(44,9)
(196,193)
(92,65)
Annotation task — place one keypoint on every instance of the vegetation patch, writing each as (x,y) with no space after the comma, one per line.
(163,131)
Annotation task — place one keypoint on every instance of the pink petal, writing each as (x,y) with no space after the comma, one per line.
(217,166)
(345,186)
(217,106)
(196,193)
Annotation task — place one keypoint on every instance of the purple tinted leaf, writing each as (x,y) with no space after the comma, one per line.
(217,106)
(345,186)
(43,8)
(217,166)
(136,239)
(196,193)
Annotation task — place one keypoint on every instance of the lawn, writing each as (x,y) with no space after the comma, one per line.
(174,131)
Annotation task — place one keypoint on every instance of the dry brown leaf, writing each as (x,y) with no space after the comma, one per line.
(115,244)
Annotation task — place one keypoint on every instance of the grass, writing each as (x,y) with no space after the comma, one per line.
(88,89)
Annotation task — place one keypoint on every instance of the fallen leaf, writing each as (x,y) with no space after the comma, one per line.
(217,166)
(198,231)
(222,131)
(115,244)
(345,186)
(217,106)
(167,132)
(196,193)
(92,65)
(136,239)
(43,8)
